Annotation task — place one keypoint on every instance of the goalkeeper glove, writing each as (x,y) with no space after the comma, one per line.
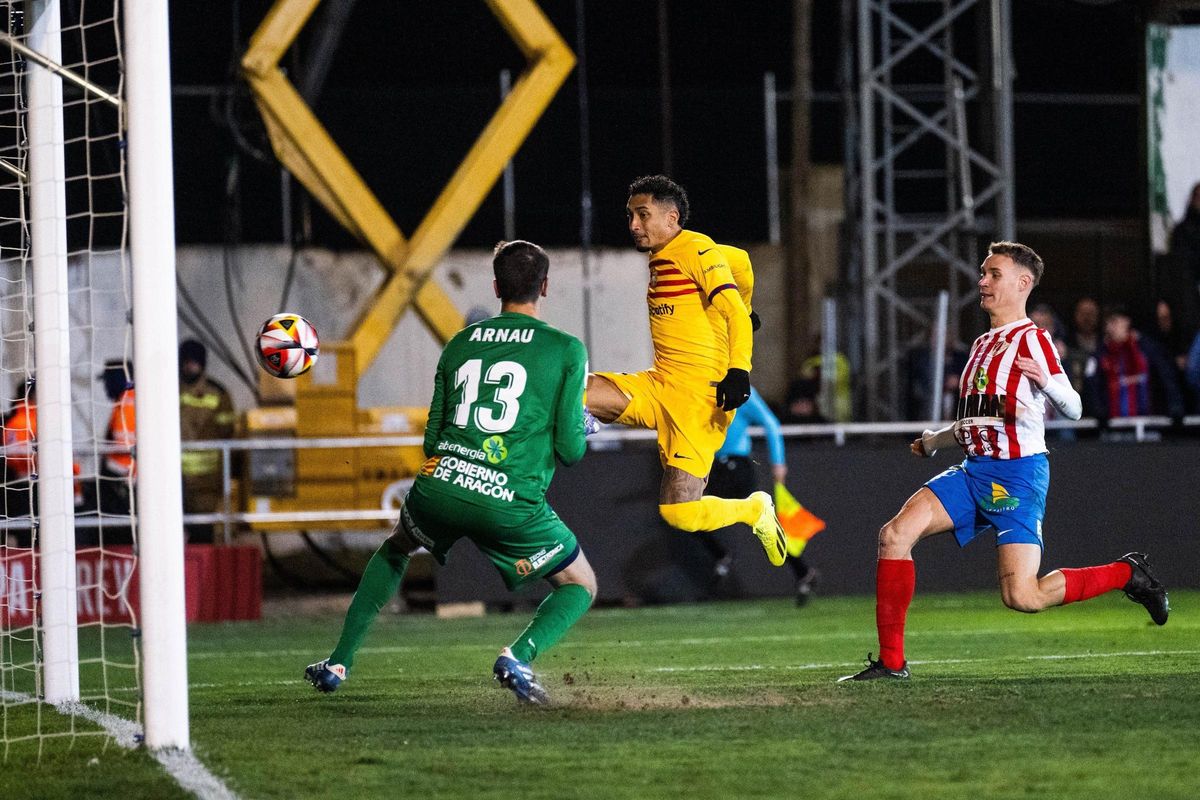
(734,389)
(755,322)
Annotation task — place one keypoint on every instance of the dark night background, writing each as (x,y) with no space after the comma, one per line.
(413,83)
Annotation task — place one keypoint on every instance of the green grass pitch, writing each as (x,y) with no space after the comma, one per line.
(732,700)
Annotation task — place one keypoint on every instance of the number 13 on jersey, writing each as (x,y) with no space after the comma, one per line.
(506,381)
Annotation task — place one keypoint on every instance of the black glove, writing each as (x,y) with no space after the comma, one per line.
(734,389)
(755,322)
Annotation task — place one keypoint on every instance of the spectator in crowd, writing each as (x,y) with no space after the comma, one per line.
(20,431)
(1179,270)
(1124,367)
(802,407)
(1085,331)
(920,376)
(1166,346)
(841,406)
(1192,371)
(118,467)
(205,412)
(1044,317)
(1185,237)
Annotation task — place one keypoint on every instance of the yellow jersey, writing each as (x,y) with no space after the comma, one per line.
(691,336)
(743,274)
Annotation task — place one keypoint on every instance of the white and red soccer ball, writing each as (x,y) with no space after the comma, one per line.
(287,345)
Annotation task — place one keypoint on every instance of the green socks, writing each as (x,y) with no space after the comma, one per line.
(554,617)
(380,581)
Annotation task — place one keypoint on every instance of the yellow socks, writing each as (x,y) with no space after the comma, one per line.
(710,513)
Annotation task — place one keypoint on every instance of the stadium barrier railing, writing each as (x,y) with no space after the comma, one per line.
(1137,429)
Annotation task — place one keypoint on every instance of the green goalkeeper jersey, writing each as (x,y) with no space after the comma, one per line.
(508,398)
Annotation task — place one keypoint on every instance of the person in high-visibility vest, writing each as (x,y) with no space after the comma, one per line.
(20,464)
(118,469)
(205,412)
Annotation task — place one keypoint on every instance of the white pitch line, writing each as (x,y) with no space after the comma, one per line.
(692,641)
(788,667)
(125,732)
(940,661)
(191,774)
(182,765)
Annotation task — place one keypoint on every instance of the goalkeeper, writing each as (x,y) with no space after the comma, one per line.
(700,325)
(507,400)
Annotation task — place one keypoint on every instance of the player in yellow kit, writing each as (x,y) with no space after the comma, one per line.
(701,329)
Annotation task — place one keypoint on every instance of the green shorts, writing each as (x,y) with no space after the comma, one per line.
(522,547)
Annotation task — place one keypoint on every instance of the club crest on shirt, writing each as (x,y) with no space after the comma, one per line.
(495,449)
(981,380)
(1000,347)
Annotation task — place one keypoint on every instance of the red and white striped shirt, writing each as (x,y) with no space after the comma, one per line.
(1001,414)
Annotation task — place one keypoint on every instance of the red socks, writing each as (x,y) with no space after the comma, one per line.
(895,579)
(1087,582)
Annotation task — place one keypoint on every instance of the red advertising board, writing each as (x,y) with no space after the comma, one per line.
(221,583)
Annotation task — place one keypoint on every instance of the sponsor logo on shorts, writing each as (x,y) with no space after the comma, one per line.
(1001,500)
(539,559)
(412,529)
(523,567)
(494,447)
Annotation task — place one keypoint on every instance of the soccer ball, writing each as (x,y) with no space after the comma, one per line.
(287,345)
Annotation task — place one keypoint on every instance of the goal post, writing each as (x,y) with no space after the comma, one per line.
(155,342)
(52,357)
(87,285)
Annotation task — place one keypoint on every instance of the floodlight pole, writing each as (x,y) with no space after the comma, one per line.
(159,492)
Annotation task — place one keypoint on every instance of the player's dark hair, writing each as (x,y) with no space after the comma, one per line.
(520,267)
(663,190)
(1022,255)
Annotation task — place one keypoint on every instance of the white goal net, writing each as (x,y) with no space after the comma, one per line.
(69,660)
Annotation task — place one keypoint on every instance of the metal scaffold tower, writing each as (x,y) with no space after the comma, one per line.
(934,169)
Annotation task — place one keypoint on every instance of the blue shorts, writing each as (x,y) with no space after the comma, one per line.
(1004,495)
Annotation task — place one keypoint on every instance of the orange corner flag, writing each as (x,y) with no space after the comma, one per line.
(798,522)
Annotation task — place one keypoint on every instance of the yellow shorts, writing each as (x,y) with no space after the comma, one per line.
(684,412)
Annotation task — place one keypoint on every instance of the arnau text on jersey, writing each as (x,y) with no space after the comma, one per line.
(522,335)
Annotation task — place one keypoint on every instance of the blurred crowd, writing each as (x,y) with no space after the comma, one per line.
(1124,360)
